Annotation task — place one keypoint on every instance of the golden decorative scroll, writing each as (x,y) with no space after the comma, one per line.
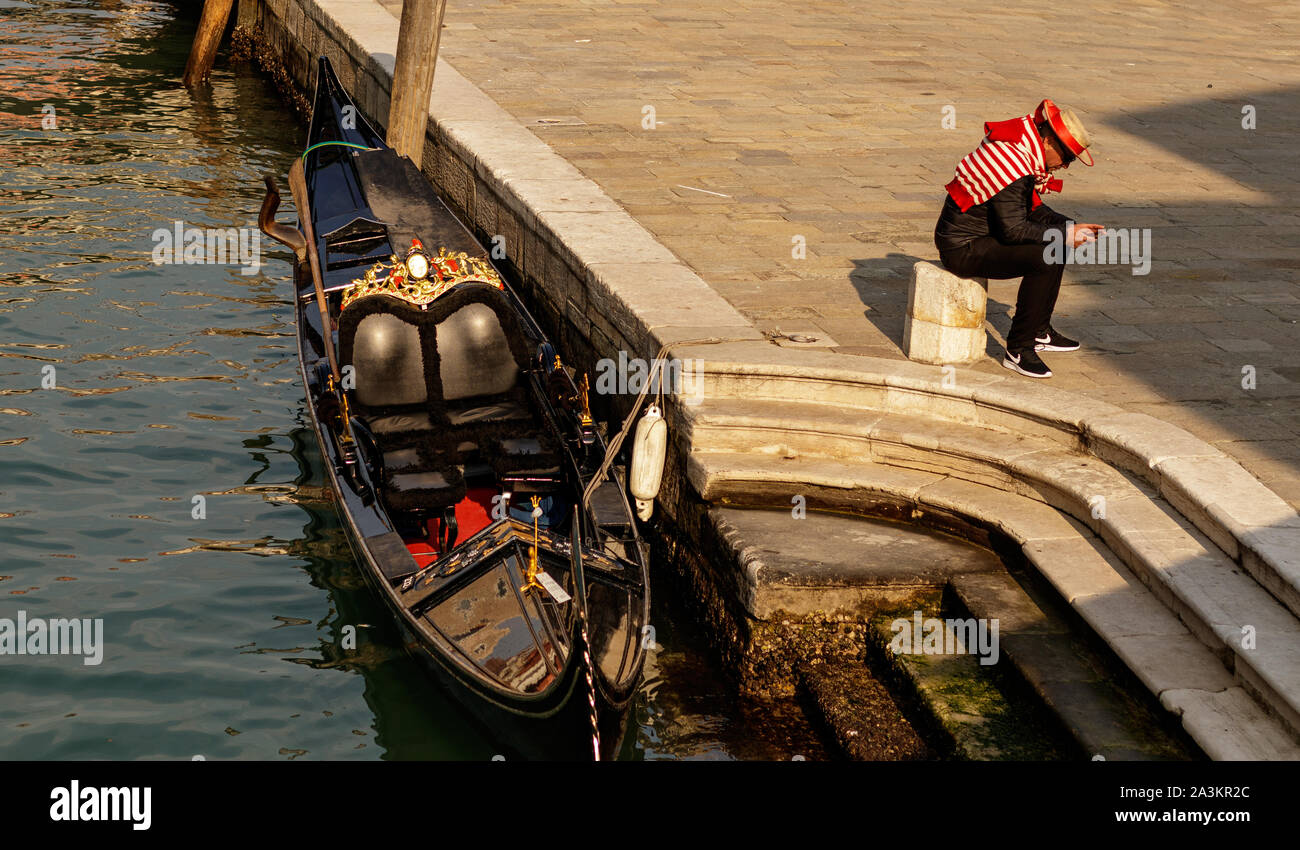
(445,271)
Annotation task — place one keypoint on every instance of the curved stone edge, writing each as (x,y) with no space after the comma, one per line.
(1182,568)
(1252,524)
(1187,677)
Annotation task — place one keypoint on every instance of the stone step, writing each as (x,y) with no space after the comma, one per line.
(1226,608)
(1067,676)
(860,712)
(1252,524)
(967,704)
(1189,678)
(787,568)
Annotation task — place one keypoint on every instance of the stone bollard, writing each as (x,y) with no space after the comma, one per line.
(945,316)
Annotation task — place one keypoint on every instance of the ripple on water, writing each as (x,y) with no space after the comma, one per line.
(155,469)
(128,388)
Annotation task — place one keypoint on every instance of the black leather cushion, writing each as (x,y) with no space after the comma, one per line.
(427,480)
(400,459)
(475,358)
(478,474)
(388,362)
(429,489)
(468,345)
(521,455)
(504,411)
(399,423)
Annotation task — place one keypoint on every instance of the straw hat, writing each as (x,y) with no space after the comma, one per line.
(1067,127)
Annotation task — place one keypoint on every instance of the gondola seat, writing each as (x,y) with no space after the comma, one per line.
(531,458)
(439,388)
(406,475)
(386,351)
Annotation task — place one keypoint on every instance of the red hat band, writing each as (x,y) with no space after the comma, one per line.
(1052,114)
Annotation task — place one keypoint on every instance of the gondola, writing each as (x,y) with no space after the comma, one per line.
(462,452)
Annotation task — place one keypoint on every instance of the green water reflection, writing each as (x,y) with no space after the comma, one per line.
(128,389)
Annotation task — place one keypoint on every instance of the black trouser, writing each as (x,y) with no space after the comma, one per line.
(987,257)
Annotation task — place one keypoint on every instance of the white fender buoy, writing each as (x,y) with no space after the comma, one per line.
(649,450)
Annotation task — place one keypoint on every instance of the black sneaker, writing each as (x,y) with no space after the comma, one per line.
(1027,362)
(1052,340)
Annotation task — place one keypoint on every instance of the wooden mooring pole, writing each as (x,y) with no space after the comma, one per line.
(212,24)
(417,56)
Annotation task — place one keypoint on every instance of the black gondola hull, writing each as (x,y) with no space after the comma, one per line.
(537,701)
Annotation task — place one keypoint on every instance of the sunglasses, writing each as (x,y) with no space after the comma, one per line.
(1067,155)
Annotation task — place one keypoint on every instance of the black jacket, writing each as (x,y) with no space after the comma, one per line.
(1006,216)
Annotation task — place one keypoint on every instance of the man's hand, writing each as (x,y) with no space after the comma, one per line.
(1077,234)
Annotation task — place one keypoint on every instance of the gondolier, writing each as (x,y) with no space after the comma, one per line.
(994,223)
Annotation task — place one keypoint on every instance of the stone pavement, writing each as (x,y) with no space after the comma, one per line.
(795,157)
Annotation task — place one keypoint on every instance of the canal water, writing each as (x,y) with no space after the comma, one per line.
(156,469)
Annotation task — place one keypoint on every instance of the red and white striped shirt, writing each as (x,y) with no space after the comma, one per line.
(1011,150)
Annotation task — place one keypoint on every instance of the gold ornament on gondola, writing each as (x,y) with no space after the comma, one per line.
(584,413)
(398,277)
(530,575)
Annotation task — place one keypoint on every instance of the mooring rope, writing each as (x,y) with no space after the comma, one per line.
(610,453)
(617,443)
(591,682)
